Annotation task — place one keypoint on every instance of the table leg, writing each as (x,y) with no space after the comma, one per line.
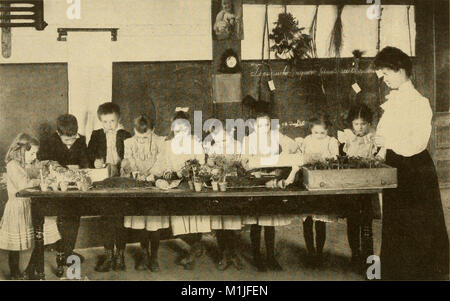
(60,258)
(366,229)
(380,200)
(38,224)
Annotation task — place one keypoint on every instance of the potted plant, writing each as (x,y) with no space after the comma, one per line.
(215,178)
(224,166)
(188,172)
(53,183)
(290,42)
(196,178)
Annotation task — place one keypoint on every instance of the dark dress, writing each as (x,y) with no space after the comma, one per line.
(114,233)
(97,145)
(415,242)
(54,149)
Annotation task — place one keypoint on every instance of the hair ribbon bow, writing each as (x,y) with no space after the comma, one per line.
(180,109)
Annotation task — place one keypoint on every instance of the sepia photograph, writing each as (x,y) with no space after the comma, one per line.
(204,142)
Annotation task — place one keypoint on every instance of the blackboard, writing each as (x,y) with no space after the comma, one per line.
(31,98)
(157,89)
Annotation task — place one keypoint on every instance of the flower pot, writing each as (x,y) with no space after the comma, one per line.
(198,186)
(64,186)
(271,184)
(54,186)
(215,186)
(84,186)
(191,185)
(44,187)
(223,186)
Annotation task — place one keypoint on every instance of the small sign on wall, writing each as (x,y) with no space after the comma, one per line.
(227,88)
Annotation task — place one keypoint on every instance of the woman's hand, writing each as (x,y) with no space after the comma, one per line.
(99,163)
(35,182)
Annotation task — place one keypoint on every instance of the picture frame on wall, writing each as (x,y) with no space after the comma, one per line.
(227,19)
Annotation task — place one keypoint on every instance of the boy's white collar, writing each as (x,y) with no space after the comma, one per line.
(119,127)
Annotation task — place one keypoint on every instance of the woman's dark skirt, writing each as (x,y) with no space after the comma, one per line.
(415,242)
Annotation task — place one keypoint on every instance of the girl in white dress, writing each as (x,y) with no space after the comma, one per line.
(227,226)
(16,227)
(317,146)
(253,149)
(175,151)
(141,152)
(357,141)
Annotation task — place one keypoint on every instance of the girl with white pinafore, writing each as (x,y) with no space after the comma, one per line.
(140,155)
(251,151)
(175,151)
(227,227)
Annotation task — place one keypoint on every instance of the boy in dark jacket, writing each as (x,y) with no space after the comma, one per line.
(66,147)
(106,149)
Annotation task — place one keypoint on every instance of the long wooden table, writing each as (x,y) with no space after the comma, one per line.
(152,201)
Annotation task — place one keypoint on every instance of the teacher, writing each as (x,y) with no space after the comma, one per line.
(414,238)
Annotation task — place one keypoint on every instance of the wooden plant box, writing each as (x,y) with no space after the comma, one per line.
(382,177)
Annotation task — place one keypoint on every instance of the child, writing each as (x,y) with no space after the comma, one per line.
(106,148)
(183,146)
(16,227)
(227,227)
(251,146)
(357,141)
(317,146)
(66,147)
(225,19)
(140,155)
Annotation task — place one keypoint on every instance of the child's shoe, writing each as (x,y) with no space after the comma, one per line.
(223,264)
(119,261)
(142,261)
(236,262)
(259,263)
(105,265)
(154,265)
(60,264)
(273,264)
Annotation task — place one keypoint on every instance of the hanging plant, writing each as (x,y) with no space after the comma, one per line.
(290,41)
(336,35)
(313,35)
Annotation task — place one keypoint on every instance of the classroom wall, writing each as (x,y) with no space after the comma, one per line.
(149,30)
(31,98)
